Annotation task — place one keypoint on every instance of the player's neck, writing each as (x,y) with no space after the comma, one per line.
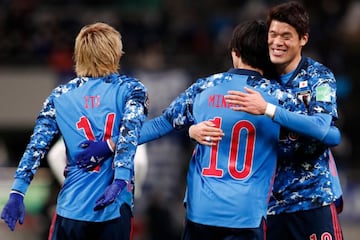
(248,67)
(238,63)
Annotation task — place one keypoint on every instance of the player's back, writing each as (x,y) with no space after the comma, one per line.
(229,183)
(92,110)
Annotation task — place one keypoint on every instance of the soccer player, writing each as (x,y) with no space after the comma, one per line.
(302,204)
(219,199)
(97,104)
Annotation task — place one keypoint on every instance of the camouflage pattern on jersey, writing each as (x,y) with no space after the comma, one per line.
(46,128)
(303,178)
(179,112)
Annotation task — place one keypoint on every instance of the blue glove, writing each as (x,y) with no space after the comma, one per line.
(94,154)
(110,194)
(14,210)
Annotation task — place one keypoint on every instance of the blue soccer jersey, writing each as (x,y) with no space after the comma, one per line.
(94,109)
(228,184)
(303,180)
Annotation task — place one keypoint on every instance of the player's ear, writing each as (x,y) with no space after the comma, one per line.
(235,57)
(304,39)
(235,52)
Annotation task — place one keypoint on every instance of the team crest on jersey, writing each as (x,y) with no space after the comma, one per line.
(304,96)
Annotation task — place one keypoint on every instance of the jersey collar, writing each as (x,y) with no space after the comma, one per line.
(241,71)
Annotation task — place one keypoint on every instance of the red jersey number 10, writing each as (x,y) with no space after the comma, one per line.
(213,171)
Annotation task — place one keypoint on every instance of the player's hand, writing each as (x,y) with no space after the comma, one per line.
(14,210)
(250,102)
(206,133)
(93,154)
(110,194)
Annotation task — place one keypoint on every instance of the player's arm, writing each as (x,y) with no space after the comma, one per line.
(135,113)
(44,132)
(317,126)
(176,116)
(132,121)
(154,129)
(207,134)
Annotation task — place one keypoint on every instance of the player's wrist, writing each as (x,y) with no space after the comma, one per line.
(111,145)
(17,193)
(270,110)
(190,133)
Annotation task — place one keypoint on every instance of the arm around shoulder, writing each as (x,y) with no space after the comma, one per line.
(318,126)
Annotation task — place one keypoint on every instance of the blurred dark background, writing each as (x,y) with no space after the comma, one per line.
(168,44)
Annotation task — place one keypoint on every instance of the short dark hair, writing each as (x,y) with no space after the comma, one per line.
(249,40)
(292,13)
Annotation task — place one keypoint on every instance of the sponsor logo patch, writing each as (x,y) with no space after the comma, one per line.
(323,93)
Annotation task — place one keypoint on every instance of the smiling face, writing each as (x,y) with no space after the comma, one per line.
(285,46)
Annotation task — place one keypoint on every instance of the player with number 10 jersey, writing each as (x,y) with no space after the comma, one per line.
(228,184)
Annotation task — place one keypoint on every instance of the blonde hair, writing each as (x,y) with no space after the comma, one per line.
(98,49)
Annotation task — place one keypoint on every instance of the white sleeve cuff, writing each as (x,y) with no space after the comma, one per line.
(109,145)
(17,192)
(270,110)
